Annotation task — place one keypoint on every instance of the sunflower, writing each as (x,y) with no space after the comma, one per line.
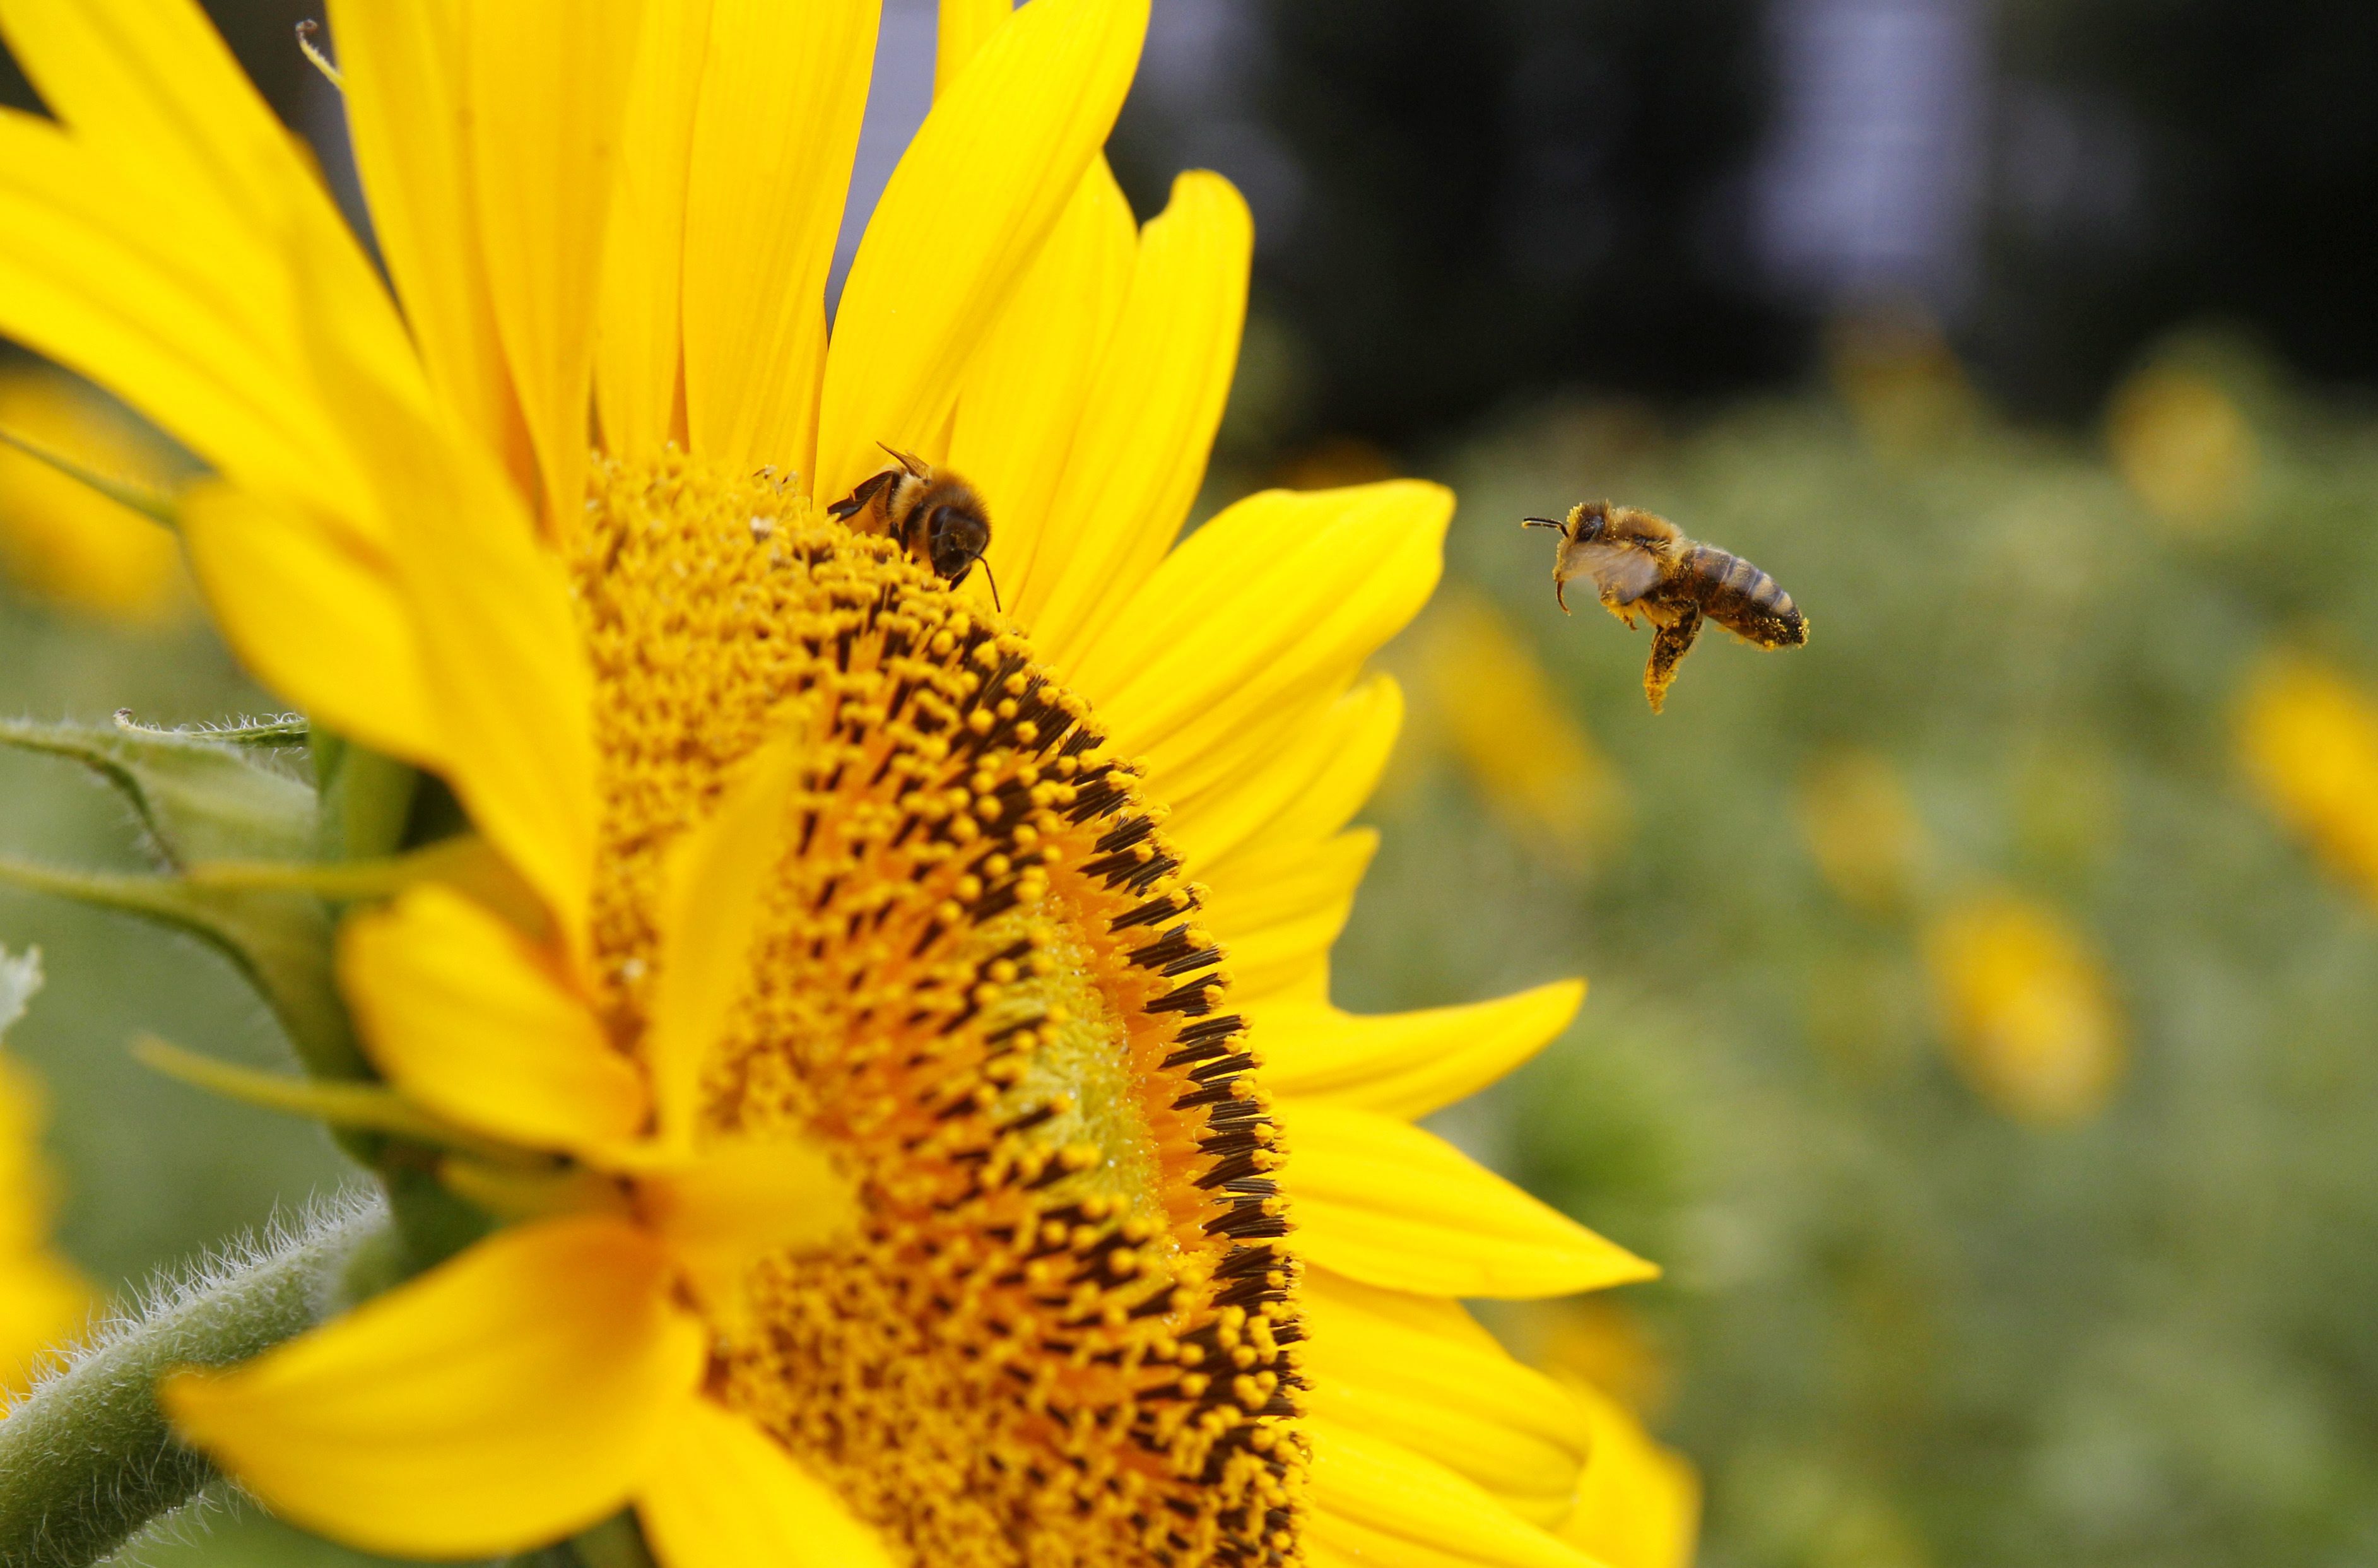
(42,1300)
(2307,736)
(914,1095)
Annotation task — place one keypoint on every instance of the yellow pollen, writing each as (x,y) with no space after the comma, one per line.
(982,983)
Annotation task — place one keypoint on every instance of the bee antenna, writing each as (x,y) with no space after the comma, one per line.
(1543,523)
(987,577)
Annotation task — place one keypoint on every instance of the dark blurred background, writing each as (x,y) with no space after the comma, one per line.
(1981,1025)
(1462,203)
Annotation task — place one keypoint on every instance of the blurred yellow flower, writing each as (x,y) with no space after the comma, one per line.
(41,1300)
(1861,828)
(836,854)
(1517,739)
(2026,1007)
(2182,445)
(2309,737)
(61,539)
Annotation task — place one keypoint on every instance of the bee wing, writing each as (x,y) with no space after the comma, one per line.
(859,500)
(908,460)
(1621,573)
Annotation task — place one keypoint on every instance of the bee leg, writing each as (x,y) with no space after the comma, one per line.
(1669,646)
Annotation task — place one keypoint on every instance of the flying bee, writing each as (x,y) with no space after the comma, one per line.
(1643,565)
(938,517)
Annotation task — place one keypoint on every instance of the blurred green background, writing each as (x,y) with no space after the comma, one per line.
(1981,1024)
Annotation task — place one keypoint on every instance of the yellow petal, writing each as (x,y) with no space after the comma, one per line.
(724,1494)
(971,201)
(184,146)
(1445,1392)
(965,25)
(495,1404)
(1026,386)
(64,540)
(315,616)
(547,87)
(500,650)
(1388,1204)
(1276,914)
(87,281)
(1407,1065)
(781,100)
(468,1019)
(1343,783)
(514,692)
(149,87)
(1274,603)
(1639,1503)
(637,343)
(1302,791)
(149,84)
(719,876)
(1140,454)
(403,63)
(1377,1503)
(733,1204)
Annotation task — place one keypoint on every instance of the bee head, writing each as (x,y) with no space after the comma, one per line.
(1587,520)
(956,537)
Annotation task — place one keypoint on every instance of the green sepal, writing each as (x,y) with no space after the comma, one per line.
(279,941)
(337,1103)
(406,1145)
(201,794)
(287,731)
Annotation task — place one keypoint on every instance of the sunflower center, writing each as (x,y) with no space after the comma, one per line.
(1063,1333)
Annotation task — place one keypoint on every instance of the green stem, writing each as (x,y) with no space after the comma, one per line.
(87,1459)
(366,799)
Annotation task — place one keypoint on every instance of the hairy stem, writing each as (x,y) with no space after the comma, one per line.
(87,1459)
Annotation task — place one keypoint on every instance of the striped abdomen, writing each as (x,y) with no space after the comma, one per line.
(1742,599)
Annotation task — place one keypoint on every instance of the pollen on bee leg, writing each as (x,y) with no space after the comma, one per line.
(1064,1329)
